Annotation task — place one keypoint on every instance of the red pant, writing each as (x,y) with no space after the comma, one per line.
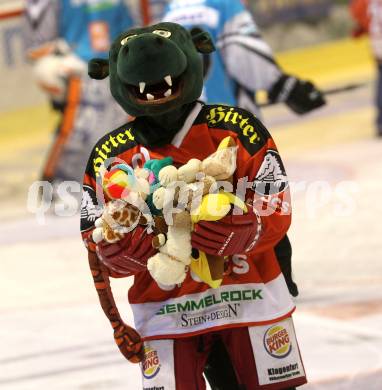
(190,356)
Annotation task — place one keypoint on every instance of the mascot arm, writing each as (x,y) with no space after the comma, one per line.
(128,256)
(269,195)
(92,249)
(268,217)
(127,339)
(231,235)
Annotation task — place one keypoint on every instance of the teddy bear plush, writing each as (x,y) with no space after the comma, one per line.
(153,186)
(130,194)
(195,186)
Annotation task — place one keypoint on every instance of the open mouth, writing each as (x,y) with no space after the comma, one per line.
(158,93)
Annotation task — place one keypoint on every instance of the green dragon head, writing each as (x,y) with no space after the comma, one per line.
(154,70)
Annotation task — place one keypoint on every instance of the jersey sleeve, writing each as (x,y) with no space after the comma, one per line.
(247,57)
(263,182)
(114,147)
(91,209)
(40,26)
(91,204)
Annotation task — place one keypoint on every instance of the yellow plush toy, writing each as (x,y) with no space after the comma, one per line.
(213,207)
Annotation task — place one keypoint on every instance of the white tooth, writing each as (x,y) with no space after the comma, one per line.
(168,80)
(142,87)
(168,93)
(150,97)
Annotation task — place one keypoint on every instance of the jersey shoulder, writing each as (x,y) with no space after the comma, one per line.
(112,144)
(250,130)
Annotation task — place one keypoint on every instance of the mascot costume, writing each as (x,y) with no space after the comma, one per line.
(239,296)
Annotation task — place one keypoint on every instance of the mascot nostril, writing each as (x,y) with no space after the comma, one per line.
(159,41)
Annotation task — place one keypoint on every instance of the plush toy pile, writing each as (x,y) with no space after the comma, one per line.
(179,198)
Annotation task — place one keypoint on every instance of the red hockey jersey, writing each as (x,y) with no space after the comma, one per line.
(255,291)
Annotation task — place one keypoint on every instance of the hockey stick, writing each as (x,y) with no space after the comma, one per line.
(343,88)
(326,92)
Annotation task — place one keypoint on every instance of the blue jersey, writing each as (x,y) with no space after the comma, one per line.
(242,62)
(88,26)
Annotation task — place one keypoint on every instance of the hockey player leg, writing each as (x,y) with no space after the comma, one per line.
(219,370)
(266,356)
(238,344)
(174,364)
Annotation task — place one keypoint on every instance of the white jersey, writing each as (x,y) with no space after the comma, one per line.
(243,62)
(375,9)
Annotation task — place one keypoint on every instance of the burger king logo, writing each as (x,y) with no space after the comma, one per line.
(150,364)
(277,341)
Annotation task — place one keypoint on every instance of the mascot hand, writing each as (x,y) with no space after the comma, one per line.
(233,234)
(129,343)
(301,96)
(129,255)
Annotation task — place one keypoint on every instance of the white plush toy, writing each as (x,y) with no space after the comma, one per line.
(170,265)
(192,180)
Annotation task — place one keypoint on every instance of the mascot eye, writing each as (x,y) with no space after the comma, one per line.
(124,40)
(163,33)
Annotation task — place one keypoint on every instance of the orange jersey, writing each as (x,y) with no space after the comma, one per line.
(254,292)
(360,12)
